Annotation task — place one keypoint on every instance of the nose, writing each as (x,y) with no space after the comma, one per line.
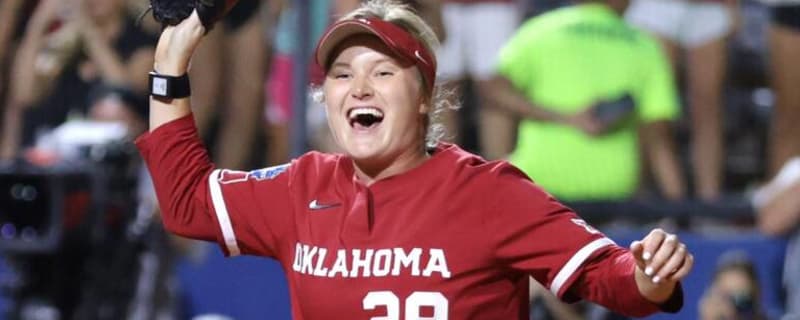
(362,88)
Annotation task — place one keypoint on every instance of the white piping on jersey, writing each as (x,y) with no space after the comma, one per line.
(576,261)
(222,213)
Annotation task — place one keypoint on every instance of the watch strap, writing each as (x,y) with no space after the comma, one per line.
(170,87)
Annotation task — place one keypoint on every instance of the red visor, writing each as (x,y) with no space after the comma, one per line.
(400,41)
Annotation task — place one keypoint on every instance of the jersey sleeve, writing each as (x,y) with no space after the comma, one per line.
(238,210)
(608,279)
(538,235)
(656,94)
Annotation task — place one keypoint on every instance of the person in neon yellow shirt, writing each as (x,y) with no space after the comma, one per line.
(566,73)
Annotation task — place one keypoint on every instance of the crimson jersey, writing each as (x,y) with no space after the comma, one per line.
(454,238)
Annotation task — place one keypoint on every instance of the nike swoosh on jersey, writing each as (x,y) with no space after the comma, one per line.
(315,205)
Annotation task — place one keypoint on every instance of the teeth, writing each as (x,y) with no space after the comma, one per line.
(355,112)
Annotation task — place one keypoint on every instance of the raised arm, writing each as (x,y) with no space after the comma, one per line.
(238,210)
(32,71)
(8,19)
(30,80)
(173,52)
(178,162)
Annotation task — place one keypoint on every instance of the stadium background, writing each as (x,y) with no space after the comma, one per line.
(254,288)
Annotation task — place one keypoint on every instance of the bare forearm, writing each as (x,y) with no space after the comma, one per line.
(163,111)
(503,95)
(668,174)
(23,90)
(166,110)
(780,215)
(9,143)
(663,159)
(8,19)
(174,49)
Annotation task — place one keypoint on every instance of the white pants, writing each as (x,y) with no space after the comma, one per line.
(475,35)
(688,23)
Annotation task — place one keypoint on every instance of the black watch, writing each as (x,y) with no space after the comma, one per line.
(169,87)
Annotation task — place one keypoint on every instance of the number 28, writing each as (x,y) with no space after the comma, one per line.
(413,304)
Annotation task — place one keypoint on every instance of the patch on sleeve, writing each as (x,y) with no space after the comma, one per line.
(268,173)
(582,223)
(232,176)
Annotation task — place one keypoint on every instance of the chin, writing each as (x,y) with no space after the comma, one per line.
(362,153)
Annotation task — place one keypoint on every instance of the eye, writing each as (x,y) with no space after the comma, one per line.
(342,75)
(384,73)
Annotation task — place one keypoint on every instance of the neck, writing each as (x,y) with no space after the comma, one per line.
(371,171)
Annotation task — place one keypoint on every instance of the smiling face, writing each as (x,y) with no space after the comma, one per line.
(374,104)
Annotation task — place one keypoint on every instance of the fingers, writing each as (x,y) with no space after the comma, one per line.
(652,242)
(676,263)
(664,256)
(637,249)
(684,269)
(661,256)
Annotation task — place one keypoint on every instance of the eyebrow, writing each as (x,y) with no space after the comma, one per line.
(373,63)
(339,64)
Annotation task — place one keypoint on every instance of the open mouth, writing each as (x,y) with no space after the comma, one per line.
(365,117)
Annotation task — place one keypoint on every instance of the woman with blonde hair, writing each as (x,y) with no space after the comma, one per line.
(399,226)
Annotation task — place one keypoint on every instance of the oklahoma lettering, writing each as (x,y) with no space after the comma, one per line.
(350,263)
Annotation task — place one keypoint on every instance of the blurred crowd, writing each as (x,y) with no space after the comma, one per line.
(683,100)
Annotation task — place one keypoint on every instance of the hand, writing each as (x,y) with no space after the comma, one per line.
(662,260)
(586,122)
(177,44)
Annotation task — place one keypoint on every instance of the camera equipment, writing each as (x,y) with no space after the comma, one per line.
(38,206)
(65,225)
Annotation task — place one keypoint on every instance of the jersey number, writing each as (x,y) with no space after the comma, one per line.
(413,303)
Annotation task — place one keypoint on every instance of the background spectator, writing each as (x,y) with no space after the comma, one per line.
(779,215)
(758,113)
(568,73)
(734,292)
(696,32)
(68,47)
(476,31)
(10,14)
(784,50)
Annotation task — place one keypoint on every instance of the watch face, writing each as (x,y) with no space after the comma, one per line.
(159,86)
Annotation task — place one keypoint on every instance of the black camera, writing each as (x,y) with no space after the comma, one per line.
(37,206)
(744,304)
(40,205)
(65,232)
